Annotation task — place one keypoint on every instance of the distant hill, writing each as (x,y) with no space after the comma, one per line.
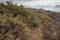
(57,6)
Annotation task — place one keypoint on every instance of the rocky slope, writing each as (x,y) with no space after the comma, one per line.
(19,23)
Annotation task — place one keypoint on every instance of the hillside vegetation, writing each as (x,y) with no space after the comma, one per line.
(19,23)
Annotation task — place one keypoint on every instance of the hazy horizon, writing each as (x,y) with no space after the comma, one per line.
(49,4)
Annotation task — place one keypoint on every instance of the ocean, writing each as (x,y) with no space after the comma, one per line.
(52,9)
(56,9)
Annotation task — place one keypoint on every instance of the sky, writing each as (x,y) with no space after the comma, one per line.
(31,3)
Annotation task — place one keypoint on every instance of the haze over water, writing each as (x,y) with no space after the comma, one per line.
(53,5)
